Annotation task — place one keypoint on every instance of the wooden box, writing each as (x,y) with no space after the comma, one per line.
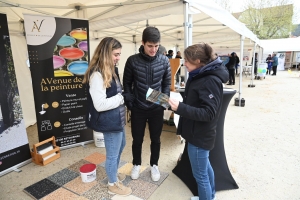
(39,159)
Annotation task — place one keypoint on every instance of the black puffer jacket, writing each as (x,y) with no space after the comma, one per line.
(199,112)
(143,71)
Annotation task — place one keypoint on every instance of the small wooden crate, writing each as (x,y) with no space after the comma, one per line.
(39,158)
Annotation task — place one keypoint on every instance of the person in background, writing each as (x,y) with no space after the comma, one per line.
(178,55)
(274,64)
(147,69)
(199,112)
(226,60)
(269,62)
(106,102)
(170,54)
(231,68)
(255,64)
(162,50)
(237,61)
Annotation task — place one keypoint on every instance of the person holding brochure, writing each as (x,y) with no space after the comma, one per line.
(106,110)
(147,69)
(199,112)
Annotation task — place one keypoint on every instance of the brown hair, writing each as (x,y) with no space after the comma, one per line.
(102,61)
(151,34)
(201,51)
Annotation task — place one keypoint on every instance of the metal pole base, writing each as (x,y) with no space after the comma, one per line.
(239,102)
(17,170)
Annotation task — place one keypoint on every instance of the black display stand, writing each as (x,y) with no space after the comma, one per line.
(217,157)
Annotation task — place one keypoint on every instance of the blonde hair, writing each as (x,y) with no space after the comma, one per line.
(102,61)
(201,51)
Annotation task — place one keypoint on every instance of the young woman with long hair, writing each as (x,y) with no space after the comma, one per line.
(106,110)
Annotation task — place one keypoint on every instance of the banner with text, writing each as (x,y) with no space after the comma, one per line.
(14,147)
(58,51)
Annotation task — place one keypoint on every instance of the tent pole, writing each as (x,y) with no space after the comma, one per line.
(261,54)
(253,66)
(134,42)
(292,60)
(186,31)
(190,42)
(241,68)
(186,25)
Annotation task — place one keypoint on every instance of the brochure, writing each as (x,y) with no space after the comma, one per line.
(157,97)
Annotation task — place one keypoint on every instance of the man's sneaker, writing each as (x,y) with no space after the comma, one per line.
(121,177)
(155,175)
(135,172)
(119,189)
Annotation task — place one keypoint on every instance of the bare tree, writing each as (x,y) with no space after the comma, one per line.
(226,4)
(268,18)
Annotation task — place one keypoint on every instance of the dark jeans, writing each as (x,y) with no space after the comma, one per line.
(274,68)
(155,120)
(231,76)
(177,78)
(236,69)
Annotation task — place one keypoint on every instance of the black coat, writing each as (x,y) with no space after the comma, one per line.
(143,71)
(237,60)
(232,62)
(199,112)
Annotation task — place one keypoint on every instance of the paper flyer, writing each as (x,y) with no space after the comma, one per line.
(157,97)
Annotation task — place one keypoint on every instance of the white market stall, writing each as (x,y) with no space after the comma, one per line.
(287,49)
(181,23)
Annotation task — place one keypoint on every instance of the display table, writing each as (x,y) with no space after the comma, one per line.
(217,157)
(247,70)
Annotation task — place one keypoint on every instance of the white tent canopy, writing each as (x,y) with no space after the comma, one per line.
(286,44)
(125,20)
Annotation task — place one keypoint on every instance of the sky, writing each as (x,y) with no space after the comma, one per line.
(237,6)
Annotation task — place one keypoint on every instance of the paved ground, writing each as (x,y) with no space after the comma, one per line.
(261,142)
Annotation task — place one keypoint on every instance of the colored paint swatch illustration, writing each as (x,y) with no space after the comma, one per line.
(70,56)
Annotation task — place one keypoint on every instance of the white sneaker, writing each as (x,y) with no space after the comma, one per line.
(135,172)
(155,175)
(197,198)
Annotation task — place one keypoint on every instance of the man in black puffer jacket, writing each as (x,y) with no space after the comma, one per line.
(147,69)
